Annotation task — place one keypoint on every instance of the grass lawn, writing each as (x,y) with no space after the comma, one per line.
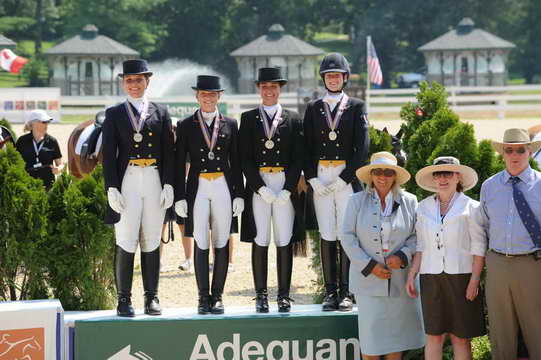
(24,48)
(331,42)
(9,80)
(75,119)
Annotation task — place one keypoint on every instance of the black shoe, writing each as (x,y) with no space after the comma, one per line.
(346,303)
(203,308)
(152,305)
(284,304)
(124,307)
(261,303)
(330,302)
(217,305)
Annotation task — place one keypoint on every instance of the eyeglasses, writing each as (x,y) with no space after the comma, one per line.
(384,172)
(442,174)
(520,150)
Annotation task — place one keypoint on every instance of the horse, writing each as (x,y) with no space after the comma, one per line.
(396,143)
(5,137)
(84,146)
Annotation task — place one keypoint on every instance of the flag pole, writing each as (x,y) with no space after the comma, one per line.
(367,93)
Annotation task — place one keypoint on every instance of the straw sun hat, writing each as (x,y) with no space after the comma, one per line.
(516,137)
(383,160)
(445,163)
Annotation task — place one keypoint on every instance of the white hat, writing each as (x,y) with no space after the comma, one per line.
(516,137)
(383,160)
(39,115)
(445,163)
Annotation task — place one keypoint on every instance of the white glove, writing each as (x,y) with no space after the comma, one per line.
(319,188)
(167,196)
(338,185)
(238,206)
(181,208)
(267,194)
(283,197)
(115,199)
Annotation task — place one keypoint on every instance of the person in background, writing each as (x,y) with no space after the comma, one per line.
(509,221)
(448,259)
(40,151)
(378,235)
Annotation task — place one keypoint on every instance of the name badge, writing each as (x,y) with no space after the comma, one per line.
(37,165)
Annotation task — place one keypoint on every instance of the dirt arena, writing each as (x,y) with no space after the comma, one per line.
(178,288)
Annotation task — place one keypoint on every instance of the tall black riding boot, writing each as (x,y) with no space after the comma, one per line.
(346,299)
(328,264)
(219,274)
(284,262)
(150,270)
(123,280)
(260,258)
(201,268)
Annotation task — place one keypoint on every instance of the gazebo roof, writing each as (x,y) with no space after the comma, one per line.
(466,37)
(88,42)
(277,43)
(5,42)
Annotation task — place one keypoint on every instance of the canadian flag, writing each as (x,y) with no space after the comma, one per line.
(11,62)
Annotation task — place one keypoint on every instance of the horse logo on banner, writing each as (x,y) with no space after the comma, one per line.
(125,354)
(22,344)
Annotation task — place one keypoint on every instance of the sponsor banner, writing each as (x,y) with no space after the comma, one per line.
(307,334)
(182,110)
(16,103)
(31,330)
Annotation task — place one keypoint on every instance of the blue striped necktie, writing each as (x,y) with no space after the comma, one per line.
(525,212)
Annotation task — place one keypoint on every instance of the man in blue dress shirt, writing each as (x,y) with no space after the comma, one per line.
(509,218)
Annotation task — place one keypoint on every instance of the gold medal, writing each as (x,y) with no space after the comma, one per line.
(332,135)
(269,144)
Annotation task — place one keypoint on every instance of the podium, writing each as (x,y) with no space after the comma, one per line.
(239,334)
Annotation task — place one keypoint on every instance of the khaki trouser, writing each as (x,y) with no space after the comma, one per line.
(513,291)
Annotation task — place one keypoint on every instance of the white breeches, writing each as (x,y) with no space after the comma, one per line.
(280,216)
(141,190)
(212,205)
(330,209)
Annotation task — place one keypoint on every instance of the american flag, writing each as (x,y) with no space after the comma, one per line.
(374,70)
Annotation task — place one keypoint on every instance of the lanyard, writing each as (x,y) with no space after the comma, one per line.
(211,142)
(333,123)
(269,132)
(137,124)
(38,149)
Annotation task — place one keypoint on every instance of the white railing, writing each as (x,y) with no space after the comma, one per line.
(499,99)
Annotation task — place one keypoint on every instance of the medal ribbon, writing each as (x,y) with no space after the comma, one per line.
(333,123)
(269,133)
(210,142)
(38,149)
(137,124)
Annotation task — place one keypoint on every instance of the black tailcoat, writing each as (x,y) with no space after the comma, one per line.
(119,146)
(287,153)
(351,145)
(191,142)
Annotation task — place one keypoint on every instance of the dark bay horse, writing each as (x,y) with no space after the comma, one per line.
(84,146)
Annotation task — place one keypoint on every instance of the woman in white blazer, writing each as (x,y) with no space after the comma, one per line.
(378,236)
(449,259)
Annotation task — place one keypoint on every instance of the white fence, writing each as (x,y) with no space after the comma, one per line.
(496,99)
(499,99)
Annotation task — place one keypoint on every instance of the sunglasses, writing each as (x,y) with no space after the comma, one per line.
(519,150)
(442,174)
(384,172)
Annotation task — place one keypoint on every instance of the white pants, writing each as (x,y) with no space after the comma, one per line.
(281,216)
(330,209)
(141,190)
(212,204)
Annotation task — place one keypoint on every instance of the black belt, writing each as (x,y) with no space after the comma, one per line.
(511,255)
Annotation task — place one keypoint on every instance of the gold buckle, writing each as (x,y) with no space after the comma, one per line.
(331,163)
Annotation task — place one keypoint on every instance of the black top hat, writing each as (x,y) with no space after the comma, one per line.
(135,67)
(208,83)
(270,74)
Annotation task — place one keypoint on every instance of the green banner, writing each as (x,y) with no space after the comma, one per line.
(183,110)
(300,336)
